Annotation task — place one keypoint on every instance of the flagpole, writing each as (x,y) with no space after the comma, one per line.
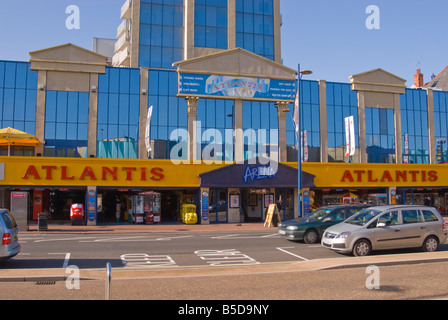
(298,123)
(299,146)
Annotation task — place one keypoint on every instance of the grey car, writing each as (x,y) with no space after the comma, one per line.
(387,227)
(8,230)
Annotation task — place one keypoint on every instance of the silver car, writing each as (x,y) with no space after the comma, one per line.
(8,231)
(387,227)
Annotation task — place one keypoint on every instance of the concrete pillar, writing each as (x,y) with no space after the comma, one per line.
(192,103)
(431,133)
(93,117)
(323,121)
(282,111)
(144,83)
(239,137)
(40,110)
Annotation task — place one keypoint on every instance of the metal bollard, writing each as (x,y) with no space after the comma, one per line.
(108,279)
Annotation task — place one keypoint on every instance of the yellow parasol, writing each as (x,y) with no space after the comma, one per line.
(13,137)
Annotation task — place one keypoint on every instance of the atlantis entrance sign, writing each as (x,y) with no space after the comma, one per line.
(232,87)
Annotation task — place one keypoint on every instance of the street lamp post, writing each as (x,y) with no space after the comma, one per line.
(298,122)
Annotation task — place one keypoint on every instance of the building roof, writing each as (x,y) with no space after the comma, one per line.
(440,81)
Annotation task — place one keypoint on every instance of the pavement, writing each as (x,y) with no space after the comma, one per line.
(19,275)
(61,227)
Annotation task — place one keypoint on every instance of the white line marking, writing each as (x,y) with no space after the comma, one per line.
(294,255)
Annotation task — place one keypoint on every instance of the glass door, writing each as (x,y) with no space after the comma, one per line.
(218,206)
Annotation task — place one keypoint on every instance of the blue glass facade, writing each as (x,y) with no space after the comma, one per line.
(66,124)
(414,126)
(380,135)
(255,27)
(211,24)
(169,111)
(18,89)
(441,124)
(342,102)
(118,113)
(161,33)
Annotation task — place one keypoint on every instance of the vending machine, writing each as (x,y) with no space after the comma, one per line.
(19,209)
(138,211)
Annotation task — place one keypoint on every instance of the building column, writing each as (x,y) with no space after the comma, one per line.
(231,24)
(323,121)
(93,116)
(239,136)
(144,84)
(40,110)
(192,103)
(361,127)
(431,133)
(398,134)
(282,111)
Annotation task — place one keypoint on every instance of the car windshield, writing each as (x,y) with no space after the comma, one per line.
(8,219)
(363,217)
(319,213)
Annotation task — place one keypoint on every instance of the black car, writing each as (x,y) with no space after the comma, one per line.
(311,228)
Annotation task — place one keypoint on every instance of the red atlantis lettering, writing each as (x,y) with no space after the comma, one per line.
(390,176)
(88,173)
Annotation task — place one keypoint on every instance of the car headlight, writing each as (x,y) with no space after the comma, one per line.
(292,228)
(343,235)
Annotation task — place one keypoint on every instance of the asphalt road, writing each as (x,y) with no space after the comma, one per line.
(211,268)
(87,251)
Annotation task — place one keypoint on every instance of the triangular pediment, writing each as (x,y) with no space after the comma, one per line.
(68,57)
(378,76)
(378,80)
(236,62)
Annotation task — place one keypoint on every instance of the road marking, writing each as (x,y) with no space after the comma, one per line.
(136,238)
(65,239)
(297,256)
(239,236)
(134,260)
(225,257)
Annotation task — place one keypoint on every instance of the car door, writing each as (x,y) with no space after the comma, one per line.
(387,231)
(413,228)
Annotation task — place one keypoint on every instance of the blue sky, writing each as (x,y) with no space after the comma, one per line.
(329,37)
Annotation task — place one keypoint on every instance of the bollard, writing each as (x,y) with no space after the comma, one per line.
(108,280)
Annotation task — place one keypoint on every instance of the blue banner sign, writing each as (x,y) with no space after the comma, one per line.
(236,87)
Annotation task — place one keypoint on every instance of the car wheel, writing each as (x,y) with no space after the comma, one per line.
(362,248)
(430,244)
(311,236)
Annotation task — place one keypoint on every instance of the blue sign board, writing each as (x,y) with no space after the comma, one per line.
(236,87)
(205,205)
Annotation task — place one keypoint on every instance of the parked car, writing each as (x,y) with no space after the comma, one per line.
(387,227)
(8,230)
(311,227)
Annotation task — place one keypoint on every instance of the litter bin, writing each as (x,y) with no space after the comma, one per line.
(42,221)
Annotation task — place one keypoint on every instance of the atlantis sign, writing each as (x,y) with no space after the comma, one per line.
(228,87)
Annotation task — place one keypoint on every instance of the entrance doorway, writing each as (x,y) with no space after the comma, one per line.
(218,206)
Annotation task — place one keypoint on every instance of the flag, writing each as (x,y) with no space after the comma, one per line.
(147,131)
(296,112)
